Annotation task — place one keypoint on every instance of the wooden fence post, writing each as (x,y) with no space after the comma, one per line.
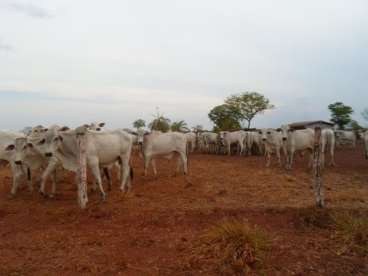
(317,168)
(82,170)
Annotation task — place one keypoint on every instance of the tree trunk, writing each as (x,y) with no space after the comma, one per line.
(249,124)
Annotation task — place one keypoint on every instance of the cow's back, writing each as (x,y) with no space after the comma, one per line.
(165,143)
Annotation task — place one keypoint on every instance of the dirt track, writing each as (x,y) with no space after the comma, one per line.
(152,231)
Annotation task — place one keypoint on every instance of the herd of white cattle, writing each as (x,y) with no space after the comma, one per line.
(46,149)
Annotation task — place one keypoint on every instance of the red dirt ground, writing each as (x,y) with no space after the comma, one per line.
(152,230)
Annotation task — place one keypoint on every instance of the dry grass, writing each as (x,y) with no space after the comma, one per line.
(236,247)
(307,218)
(353,230)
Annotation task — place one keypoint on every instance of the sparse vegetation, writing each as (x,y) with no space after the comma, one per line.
(353,229)
(235,247)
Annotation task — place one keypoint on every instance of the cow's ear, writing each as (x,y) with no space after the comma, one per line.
(291,130)
(60,138)
(29,145)
(86,126)
(279,130)
(64,128)
(10,147)
(101,124)
(45,129)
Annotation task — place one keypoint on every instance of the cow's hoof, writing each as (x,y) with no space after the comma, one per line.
(51,195)
(43,194)
(11,196)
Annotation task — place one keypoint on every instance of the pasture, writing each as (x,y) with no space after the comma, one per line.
(156,229)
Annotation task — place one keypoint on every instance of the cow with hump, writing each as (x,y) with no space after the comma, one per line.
(156,144)
(103,148)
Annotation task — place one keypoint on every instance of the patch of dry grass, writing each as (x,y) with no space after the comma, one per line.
(233,248)
(353,230)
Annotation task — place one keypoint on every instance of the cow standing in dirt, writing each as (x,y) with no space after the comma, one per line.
(102,149)
(163,145)
(7,154)
(228,138)
(274,142)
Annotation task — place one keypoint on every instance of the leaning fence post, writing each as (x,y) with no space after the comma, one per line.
(317,168)
(82,170)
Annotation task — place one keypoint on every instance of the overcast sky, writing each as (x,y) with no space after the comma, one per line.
(73,62)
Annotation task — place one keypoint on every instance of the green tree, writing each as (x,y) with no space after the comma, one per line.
(139,123)
(340,114)
(180,126)
(225,117)
(160,123)
(249,105)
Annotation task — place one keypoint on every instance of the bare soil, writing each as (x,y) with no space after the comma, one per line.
(154,229)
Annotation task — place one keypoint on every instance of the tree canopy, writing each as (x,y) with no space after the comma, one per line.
(248,105)
(180,126)
(160,123)
(225,117)
(340,114)
(139,123)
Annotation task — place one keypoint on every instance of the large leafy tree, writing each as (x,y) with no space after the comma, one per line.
(225,117)
(340,114)
(139,123)
(249,104)
(179,126)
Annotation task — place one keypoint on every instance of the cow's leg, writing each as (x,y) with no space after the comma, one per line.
(291,159)
(125,173)
(184,161)
(50,168)
(107,173)
(147,160)
(53,189)
(268,158)
(95,169)
(29,179)
(179,165)
(278,154)
(17,177)
(241,148)
(332,154)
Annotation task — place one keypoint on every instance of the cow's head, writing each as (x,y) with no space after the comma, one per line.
(285,130)
(221,137)
(140,136)
(48,143)
(19,150)
(265,134)
(95,126)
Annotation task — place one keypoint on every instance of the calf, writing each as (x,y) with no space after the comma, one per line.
(163,145)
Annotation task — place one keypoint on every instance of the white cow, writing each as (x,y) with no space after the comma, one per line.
(7,153)
(253,138)
(303,140)
(191,140)
(235,137)
(102,149)
(346,137)
(163,145)
(365,138)
(273,142)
